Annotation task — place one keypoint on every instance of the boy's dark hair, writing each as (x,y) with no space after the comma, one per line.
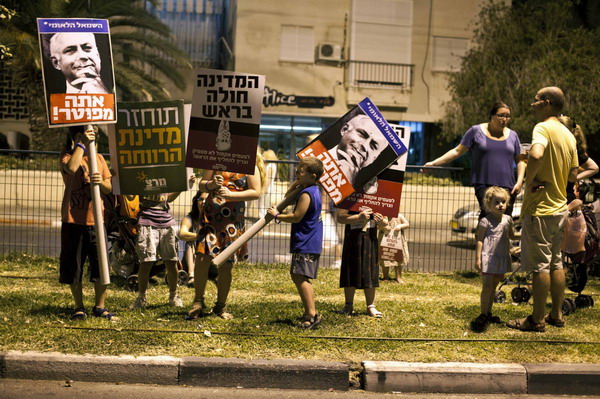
(313,165)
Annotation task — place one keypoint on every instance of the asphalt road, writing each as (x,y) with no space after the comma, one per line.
(28,389)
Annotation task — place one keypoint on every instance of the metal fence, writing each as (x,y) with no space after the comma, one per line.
(32,189)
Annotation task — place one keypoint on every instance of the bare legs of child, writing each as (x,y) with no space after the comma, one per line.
(100,296)
(143,280)
(489,282)
(203,263)
(310,319)
(386,274)
(191,264)
(223,287)
(348,308)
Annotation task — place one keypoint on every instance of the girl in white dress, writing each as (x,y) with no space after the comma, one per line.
(492,251)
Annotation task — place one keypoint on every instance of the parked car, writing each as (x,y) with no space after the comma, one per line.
(465,220)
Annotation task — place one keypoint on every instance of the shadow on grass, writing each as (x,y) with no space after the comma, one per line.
(284,322)
(464,313)
(52,310)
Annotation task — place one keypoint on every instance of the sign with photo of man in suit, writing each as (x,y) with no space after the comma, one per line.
(354,150)
(77,70)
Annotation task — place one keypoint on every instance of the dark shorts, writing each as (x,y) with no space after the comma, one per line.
(305,265)
(78,243)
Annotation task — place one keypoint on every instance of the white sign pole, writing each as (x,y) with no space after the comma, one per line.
(254,229)
(98,217)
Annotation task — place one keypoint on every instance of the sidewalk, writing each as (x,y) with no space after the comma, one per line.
(451,378)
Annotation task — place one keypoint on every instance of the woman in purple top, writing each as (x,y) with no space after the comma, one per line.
(495,149)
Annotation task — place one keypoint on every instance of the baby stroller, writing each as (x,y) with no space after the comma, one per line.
(579,249)
(121,228)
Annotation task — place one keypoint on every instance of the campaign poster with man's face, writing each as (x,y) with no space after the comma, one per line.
(225,122)
(354,150)
(147,147)
(77,70)
(382,194)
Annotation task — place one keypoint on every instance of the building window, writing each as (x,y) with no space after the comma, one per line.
(381,31)
(448,53)
(297,43)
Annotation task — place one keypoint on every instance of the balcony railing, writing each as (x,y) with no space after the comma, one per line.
(379,74)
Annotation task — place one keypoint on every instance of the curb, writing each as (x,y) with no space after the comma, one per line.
(478,378)
(563,379)
(166,370)
(474,378)
(377,376)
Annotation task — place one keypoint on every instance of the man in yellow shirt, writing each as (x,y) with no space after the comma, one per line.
(552,162)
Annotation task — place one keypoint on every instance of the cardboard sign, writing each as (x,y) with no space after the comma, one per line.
(383,193)
(355,149)
(226,112)
(147,147)
(391,247)
(77,70)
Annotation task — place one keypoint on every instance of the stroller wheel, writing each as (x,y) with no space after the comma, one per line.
(517,295)
(500,297)
(132,283)
(577,276)
(526,294)
(182,277)
(572,302)
(568,306)
(584,301)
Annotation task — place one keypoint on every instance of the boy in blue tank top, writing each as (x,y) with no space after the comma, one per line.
(306,239)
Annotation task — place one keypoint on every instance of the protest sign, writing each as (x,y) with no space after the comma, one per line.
(382,194)
(147,147)
(226,112)
(391,246)
(77,71)
(354,150)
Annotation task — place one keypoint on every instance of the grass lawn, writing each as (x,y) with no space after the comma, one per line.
(425,320)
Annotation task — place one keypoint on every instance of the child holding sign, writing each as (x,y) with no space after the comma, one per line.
(306,239)
(396,255)
(360,254)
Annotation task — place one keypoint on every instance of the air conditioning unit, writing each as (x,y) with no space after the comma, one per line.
(329,53)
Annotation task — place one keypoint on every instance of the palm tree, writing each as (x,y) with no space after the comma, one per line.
(144,52)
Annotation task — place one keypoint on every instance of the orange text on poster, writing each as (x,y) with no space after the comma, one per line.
(78,107)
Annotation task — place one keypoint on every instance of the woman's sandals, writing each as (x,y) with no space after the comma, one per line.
(373,312)
(527,324)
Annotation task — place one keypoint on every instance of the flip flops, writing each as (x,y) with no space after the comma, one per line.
(309,323)
(373,312)
(556,323)
(526,324)
(79,314)
(196,311)
(104,313)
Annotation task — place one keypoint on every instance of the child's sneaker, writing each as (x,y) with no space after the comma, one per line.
(480,323)
(139,303)
(176,301)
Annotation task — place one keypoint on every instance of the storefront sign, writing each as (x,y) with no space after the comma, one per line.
(274,98)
